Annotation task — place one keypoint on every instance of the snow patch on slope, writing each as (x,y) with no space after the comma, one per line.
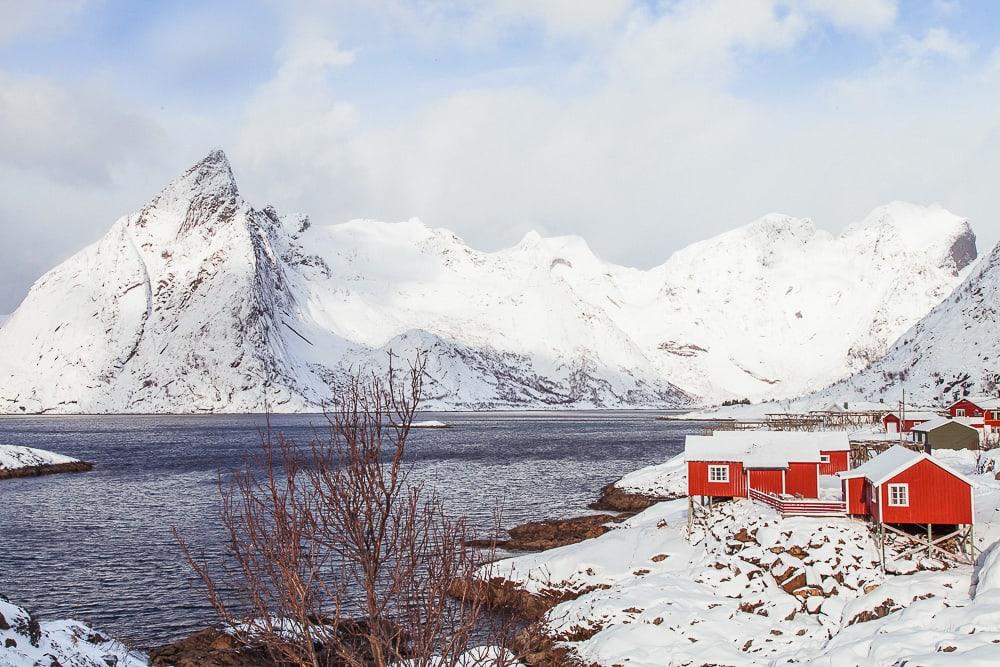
(952,352)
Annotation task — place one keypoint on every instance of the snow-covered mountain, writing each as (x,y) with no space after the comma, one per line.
(200,302)
(952,352)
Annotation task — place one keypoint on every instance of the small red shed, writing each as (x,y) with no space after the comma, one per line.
(727,464)
(902,486)
(893,423)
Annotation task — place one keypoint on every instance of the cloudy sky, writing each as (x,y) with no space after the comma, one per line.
(642,125)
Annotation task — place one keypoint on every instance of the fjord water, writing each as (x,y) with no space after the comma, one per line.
(99,547)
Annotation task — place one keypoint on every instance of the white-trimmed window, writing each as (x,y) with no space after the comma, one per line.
(718,473)
(960,412)
(824,458)
(899,495)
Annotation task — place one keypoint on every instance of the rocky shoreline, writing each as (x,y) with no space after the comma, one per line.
(212,646)
(47,469)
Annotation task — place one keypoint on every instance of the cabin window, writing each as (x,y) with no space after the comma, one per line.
(824,458)
(718,473)
(899,495)
(959,412)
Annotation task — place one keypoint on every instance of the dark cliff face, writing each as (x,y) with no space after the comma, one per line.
(963,251)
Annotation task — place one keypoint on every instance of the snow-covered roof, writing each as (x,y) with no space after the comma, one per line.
(893,461)
(926,415)
(764,449)
(943,421)
(870,436)
(985,402)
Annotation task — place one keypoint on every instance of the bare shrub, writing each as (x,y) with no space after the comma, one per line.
(336,558)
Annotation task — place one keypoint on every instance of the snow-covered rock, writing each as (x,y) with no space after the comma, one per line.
(749,587)
(200,302)
(26,642)
(13,457)
(952,352)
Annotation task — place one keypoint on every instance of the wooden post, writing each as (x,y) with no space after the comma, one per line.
(930,539)
(690,514)
(881,540)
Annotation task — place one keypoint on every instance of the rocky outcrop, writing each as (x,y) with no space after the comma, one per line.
(50,469)
(552,533)
(209,647)
(614,499)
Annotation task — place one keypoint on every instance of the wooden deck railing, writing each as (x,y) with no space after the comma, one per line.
(796,507)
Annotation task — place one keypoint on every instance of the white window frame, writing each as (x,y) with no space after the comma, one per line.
(959,412)
(905,495)
(824,458)
(723,478)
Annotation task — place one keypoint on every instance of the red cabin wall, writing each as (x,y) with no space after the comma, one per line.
(971,409)
(838,463)
(890,419)
(698,484)
(936,496)
(802,479)
(907,424)
(768,480)
(854,488)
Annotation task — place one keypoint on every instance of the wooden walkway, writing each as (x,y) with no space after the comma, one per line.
(796,507)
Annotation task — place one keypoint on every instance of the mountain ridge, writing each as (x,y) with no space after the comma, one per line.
(200,302)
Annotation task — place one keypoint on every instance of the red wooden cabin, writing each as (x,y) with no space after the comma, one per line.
(901,486)
(991,418)
(966,407)
(728,464)
(892,423)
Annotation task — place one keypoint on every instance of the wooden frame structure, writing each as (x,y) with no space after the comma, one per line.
(863,451)
(963,536)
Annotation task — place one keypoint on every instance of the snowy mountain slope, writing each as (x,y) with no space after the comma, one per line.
(778,306)
(200,302)
(954,351)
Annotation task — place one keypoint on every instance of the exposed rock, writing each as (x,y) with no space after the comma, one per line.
(209,647)
(887,607)
(551,533)
(614,499)
(51,469)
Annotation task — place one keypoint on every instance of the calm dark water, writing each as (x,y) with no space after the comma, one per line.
(98,546)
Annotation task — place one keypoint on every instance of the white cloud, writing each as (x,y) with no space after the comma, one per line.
(295,133)
(18,17)
(74,134)
(863,15)
(936,42)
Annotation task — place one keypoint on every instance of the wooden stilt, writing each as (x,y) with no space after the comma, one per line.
(881,542)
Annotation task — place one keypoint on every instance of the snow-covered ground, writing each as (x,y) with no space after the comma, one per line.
(200,302)
(750,587)
(24,642)
(17,456)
